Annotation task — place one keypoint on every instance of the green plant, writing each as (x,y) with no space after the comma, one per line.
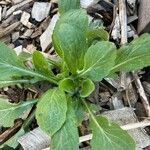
(84,57)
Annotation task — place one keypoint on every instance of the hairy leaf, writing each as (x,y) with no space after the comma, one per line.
(67,137)
(67,85)
(96,35)
(72,46)
(109,136)
(5,83)
(66,5)
(87,88)
(10,111)
(99,60)
(79,110)
(11,65)
(41,64)
(134,55)
(77,18)
(51,111)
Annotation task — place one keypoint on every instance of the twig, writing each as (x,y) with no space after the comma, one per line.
(123,22)
(10,132)
(142,94)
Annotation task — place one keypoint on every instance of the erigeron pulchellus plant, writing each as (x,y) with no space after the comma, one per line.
(85,56)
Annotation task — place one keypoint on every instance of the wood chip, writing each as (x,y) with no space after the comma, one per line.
(46,37)
(130,32)
(18,49)
(131,3)
(0,13)
(30,48)
(4,12)
(116,101)
(25,20)
(33,140)
(17,6)
(116,29)
(142,94)
(17,1)
(146,86)
(144,16)
(40,10)
(15,36)
(27,33)
(86,3)
(9,29)
(17,12)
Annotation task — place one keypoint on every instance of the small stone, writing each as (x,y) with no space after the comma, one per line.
(40,10)
(46,37)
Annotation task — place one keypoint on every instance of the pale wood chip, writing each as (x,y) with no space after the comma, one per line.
(40,10)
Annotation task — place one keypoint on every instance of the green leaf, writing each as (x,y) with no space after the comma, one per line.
(96,24)
(99,60)
(41,64)
(13,141)
(66,5)
(72,46)
(5,83)
(24,56)
(67,85)
(12,66)
(108,135)
(67,137)
(97,35)
(134,55)
(87,88)
(79,110)
(51,111)
(10,111)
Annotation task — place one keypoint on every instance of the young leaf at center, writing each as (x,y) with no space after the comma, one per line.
(87,88)
(67,85)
